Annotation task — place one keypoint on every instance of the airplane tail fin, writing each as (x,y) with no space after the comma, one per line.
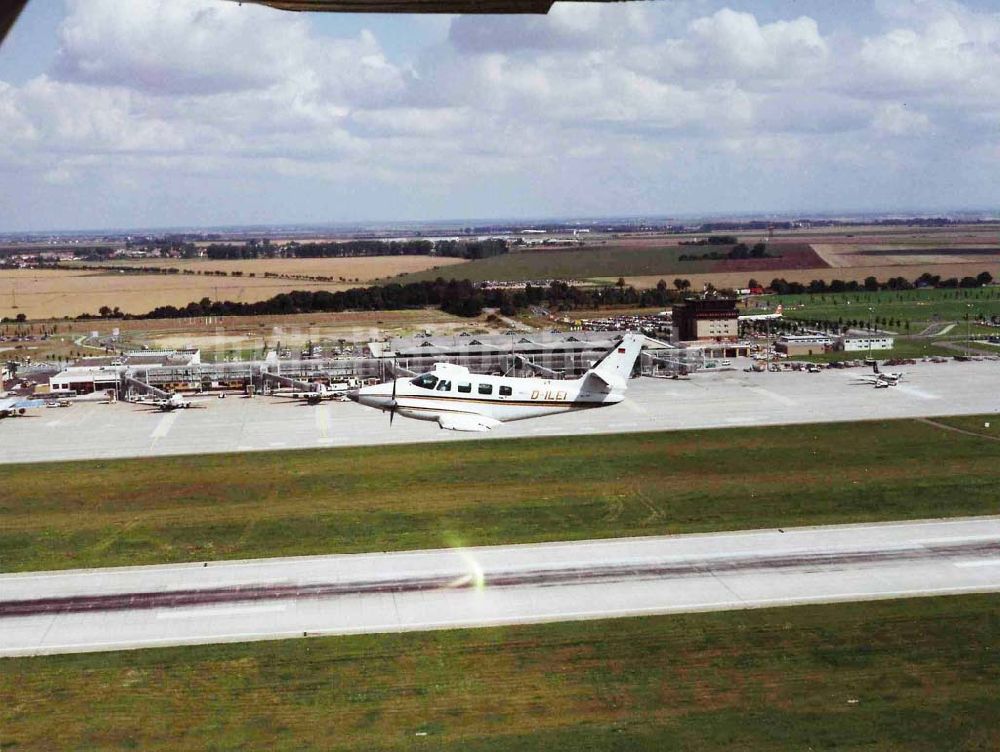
(779,309)
(615,368)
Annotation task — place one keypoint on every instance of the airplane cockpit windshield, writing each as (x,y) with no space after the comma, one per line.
(425,381)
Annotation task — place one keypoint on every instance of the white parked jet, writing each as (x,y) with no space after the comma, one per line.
(462,401)
(12,407)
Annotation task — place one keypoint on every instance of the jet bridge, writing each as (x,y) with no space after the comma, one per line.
(528,365)
(133,385)
(288,382)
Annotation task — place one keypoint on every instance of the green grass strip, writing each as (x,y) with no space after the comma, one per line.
(123,512)
(916,675)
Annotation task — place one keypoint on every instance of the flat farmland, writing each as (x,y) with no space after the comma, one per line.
(362,268)
(45,293)
(631,259)
(645,261)
(576,263)
(851,255)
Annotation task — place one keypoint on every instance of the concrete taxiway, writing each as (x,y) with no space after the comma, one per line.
(136,607)
(707,400)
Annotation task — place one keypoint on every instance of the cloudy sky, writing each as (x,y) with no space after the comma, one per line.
(160,113)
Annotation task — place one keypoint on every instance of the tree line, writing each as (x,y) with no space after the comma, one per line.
(466,298)
(738,251)
(872,284)
(467,249)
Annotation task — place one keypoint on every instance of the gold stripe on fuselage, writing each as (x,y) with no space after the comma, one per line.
(516,403)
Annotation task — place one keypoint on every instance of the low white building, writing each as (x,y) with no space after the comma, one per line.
(865,343)
(803,344)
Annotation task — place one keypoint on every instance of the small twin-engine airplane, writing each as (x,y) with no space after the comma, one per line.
(169,404)
(12,407)
(319,392)
(881,380)
(462,401)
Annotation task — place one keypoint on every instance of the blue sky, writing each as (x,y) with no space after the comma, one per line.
(203,112)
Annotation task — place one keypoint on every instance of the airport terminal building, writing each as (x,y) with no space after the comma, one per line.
(551,355)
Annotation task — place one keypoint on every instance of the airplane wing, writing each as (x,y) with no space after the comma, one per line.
(10,9)
(8,15)
(467,422)
(410,6)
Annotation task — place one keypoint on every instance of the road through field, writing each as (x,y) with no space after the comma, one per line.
(205,602)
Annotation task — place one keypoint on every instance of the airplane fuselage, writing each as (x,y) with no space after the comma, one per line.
(500,398)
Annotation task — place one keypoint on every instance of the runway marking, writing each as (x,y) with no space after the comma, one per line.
(164,426)
(323,421)
(278,443)
(945,330)
(959,539)
(780,398)
(494,621)
(633,407)
(979,563)
(208,611)
(529,576)
(918,393)
(53,423)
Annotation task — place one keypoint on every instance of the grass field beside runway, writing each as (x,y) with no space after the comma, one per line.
(211,507)
(919,307)
(916,675)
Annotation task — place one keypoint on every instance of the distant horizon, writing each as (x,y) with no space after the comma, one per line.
(984,215)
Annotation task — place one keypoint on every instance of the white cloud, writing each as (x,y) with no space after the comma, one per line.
(736,45)
(896,119)
(677,96)
(193,47)
(940,49)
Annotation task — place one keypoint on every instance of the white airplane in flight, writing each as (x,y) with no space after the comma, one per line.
(462,401)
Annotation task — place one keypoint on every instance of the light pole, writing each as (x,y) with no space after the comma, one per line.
(870,312)
(968,328)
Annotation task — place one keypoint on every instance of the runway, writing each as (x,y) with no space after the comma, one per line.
(708,399)
(207,602)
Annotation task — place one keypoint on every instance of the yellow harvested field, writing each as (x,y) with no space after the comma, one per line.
(363,268)
(45,293)
(843,255)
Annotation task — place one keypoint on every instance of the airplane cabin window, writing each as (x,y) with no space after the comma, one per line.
(486,389)
(444,385)
(466,388)
(505,391)
(426,381)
